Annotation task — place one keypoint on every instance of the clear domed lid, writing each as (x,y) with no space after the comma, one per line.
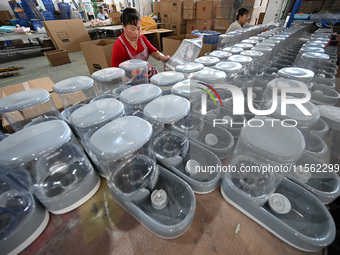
(241,59)
(271,141)
(189,67)
(207,60)
(315,56)
(312,49)
(220,54)
(23,99)
(140,94)
(133,64)
(73,84)
(167,78)
(296,72)
(210,76)
(108,74)
(96,112)
(120,137)
(233,50)
(229,66)
(250,41)
(245,46)
(262,48)
(281,83)
(167,109)
(252,53)
(33,142)
(266,44)
(184,89)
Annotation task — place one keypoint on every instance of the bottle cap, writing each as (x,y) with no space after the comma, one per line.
(211,139)
(191,167)
(279,203)
(159,199)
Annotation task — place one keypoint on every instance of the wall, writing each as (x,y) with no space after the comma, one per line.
(274,10)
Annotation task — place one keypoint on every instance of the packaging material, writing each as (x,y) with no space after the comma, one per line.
(176,12)
(172,43)
(206,9)
(165,7)
(43,83)
(57,57)
(166,26)
(97,54)
(157,8)
(148,23)
(189,4)
(203,25)
(221,24)
(189,14)
(165,17)
(5,15)
(115,16)
(178,29)
(67,34)
(160,33)
(219,13)
(191,26)
(248,2)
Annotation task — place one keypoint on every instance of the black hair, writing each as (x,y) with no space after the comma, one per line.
(241,12)
(130,16)
(100,7)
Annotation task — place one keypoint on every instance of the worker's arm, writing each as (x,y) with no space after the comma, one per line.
(159,56)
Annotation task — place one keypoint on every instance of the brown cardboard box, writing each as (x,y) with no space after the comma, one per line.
(219,13)
(221,24)
(172,43)
(160,33)
(189,14)
(165,7)
(67,34)
(189,4)
(5,15)
(176,13)
(206,9)
(157,8)
(165,18)
(57,57)
(97,53)
(166,26)
(112,7)
(191,26)
(205,24)
(178,29)
(115,16)
(248,2)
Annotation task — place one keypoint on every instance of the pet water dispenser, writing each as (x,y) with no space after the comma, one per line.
(28,106)
(233,50)
(136,71)
(158,199)
(63,177)
(297,73)
(23,218)
(137,97)
(189,69)
(207,61)
(166,80)
(278,204)
(108,79)
(231,69)
(184,89)
(221,54)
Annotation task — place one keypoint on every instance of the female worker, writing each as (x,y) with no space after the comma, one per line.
(132,45)
(241,20)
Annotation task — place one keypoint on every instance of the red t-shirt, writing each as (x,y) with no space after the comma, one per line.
(120,54)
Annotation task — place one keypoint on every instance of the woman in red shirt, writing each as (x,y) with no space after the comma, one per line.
(132,45)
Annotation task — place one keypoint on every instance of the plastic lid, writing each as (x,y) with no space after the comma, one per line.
(159,199)
(210,76)
(229,66)
(167,109)
(315,55)
(189,67)
(250,41)
(245,46)
(167,78)
(314,44)
(296,72)
(220,54)
(262,48)
(211,139)
(252,53)
(133,64)
(233,50)
(140,94)
(23,100)
(280,83)
(73,84)
(312,49)
(241,59)
(271,142)
(191,167)
(272,41)
(33,142)
(108,74)
(120,137)
(96,112)
(266,44)
(207,60)
(257,38)
(302,174)
(184,89)
(279,203)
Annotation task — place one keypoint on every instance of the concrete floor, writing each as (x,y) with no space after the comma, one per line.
(38,67)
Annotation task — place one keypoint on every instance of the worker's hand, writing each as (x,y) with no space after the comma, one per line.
(165,58)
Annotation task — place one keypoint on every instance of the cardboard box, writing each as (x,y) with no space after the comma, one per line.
(165,18)
(219,13)
(165,7)
(178,29)
(189,4)
(97,54)
(206,9)
(189,14)
(191,26)
(160,33)
(172,43)
(166,26)
(248,2)
(176,12)
(205,24)
(5,15)
(67,34)
(57,57)
(115,16)
(43,83)
(112,7)
(157,8)
(221,24)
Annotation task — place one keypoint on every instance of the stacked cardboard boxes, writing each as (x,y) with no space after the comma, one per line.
(177,22)
(5,18)
(222,15)
(189,9)
(157,8)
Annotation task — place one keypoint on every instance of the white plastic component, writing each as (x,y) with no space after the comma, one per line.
(191,167)
(211,139)
(302,174)
(279,203)
(229,119)
(159,199)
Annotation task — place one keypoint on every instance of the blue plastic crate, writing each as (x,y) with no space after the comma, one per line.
(49,5)
(48,15)
(210,37)
(64,9)
(18,11)
(27,9)
(37,25)
(20,22)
